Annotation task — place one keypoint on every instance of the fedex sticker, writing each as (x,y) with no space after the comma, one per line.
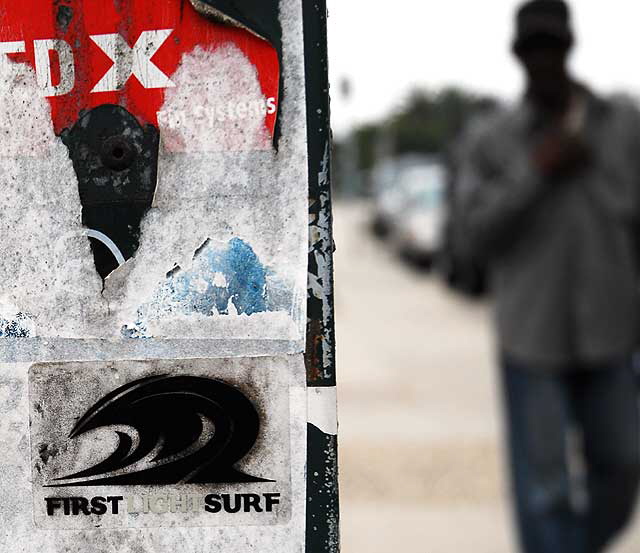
(169,66)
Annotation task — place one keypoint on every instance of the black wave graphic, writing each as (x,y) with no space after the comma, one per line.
(168,412)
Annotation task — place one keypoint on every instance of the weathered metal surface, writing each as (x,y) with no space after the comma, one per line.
(323,515)
(125,52)
(216,268)
(219,240)
(322,535)
(321,330)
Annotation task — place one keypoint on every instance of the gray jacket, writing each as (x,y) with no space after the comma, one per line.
(563,252)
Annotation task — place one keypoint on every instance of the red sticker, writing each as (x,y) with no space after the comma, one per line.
(125,52)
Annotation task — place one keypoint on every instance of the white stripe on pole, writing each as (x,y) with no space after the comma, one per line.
(322,409)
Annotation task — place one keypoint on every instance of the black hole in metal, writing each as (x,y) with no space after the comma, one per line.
(118,153)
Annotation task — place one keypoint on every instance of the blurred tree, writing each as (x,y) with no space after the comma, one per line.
(425,123)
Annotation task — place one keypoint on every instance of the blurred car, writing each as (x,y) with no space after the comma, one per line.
(390,180)
(409,204)
(418,233)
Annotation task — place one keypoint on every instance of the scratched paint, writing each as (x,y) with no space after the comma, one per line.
(219,179)
(253,203)
(250,204)
(219,282)
(208,112)
(86,38)
(322,528)
(321,347)
(228,282)
(45,266)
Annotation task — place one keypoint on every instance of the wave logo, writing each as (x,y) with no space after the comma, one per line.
(171,430)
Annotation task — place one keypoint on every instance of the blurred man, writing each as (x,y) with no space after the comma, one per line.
(550,193)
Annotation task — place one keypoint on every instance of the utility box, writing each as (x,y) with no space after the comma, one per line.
(166,323)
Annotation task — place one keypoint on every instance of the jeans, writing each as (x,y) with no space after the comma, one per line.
(574,452)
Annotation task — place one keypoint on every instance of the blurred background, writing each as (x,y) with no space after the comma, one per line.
(421,455)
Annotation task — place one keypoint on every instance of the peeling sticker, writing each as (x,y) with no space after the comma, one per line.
(46,268)
(218,179)
(125,52)
(154,247)
(215,281)
(217,104)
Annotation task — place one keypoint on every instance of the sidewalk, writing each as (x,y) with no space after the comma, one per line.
(420,448)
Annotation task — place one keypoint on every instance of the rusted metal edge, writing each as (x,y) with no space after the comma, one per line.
(323,517)
(320,353)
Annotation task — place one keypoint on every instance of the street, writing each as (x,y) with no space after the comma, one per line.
(421,463)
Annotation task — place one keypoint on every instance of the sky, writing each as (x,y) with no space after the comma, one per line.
(388,48)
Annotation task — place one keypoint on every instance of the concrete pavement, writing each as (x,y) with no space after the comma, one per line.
(420,430)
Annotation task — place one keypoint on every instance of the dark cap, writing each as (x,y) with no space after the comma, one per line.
(543,19)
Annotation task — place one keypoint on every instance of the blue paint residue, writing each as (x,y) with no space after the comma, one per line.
(245,278)
(217,283)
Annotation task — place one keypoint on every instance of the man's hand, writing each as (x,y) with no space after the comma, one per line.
(560,153)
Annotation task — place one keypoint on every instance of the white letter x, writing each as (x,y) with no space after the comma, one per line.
(129,61)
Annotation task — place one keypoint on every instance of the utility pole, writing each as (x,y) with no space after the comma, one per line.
(167,361)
